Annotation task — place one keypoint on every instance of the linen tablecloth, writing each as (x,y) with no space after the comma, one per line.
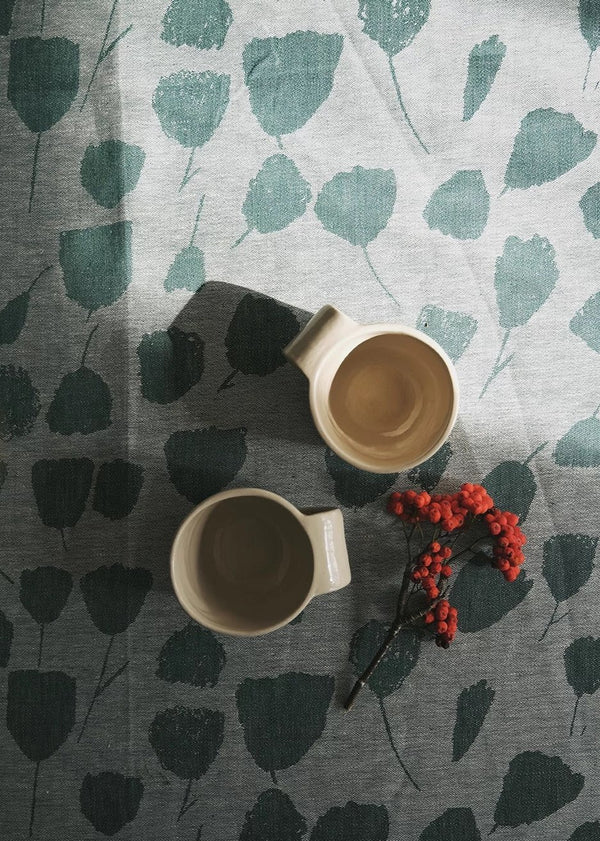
(182,185)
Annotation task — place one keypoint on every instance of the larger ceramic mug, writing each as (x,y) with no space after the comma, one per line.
(384,397)
(246,561)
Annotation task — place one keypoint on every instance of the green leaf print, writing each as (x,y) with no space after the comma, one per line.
(484,62)
(354,488)
(289,78)
(192,655)
(44,592)
(111,170)
(6,12)
(190,107)
(482,596)
(429,474)
(19,402)
(452,825)
(512,485)
(43,80)
(14,313)
(393,24)
(273,818)
(580,445)
(568,564)
(472,707)
(276,197)
(186,742)
(118,486)
(61,487)
(353,822)
(171,362)
(589,23)
(547,145)
(589,831)
(586,322)
(202,462)
(6,638)
(282,717)
(96,264)
(3,473)
(105,49)
(197,23)
(582,667)
(534,787)
(590,207)
(452,330)
(356,206)
(110,800)
(187,269)
(459,207)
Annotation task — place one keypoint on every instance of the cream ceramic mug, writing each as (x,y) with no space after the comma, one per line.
(246,561)
(383,397)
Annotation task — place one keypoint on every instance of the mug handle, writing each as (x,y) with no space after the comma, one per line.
(323,330)
(326,533)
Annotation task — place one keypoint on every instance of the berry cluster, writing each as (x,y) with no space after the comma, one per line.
(430,563)
(508,542)
(448,511)
(445,618)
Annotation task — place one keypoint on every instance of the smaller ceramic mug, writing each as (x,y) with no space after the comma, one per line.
(383,397)
(246,561)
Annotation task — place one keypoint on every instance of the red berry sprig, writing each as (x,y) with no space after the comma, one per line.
(508,542)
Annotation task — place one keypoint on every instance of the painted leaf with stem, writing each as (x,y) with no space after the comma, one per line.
(43,81)
(105,49)
(452,330)
(484,62)
(568,563)
(460,206)
(171,363)
(289,78)
(353,822)
(472,707)
(118,486)
(190,107)
(429,474)
(354,488)
(273,818)
(580,445)
(589,831)
(187,269)
(590,207)
(589,23)
(111,170)
(6,638)
(192,655)
(110,800)
(512,485)
(586,322)
(394,24)
(582,667)
(44,592)
(453,825)
(197,23)
(19,402)
(6,13)
(535,786)
(14,313)
(356,206)
(202,462)
(61,488)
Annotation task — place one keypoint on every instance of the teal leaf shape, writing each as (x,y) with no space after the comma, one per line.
(429,474)
(472,707)
(590,207)
(547,145)
(353,822)
(512,485)
(19,402)
(534,787)
(14,313)
(118,486)
(586,322)
(6,12)
(6,638)
(276,196)
(192,655)
(452,825)
(580,445)
(197,23)
(282,717)
(452,330)
(482,596)
(171,362)
(568,563)
(114,596)
(589,23)
(589,831)
(111,170)
(484,62)
(96,264)
(460,206)
(44,592)
(202,462)
(397,664)
(354,488)
(109,800)
(61,487)
(289,78)
(273,818)
(526,274)
(3,473)
(582,668)
(392,24)
(187,270)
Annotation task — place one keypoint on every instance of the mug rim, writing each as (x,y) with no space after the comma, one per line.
(207,503)
(362,333)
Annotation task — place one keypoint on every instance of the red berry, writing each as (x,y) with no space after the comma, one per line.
(446,571)
(442,627)
(446,552)
(495,528)
(429,617)
(511,573)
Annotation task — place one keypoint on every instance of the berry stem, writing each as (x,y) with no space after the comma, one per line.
(388,730)
(467,549)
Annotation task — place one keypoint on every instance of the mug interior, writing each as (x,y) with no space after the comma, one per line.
(243,564)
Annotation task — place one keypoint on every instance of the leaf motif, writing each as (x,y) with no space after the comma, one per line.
(482,596)
(353,822)
(586,322)
(484,62)
(282,717)
(118,486)
(44,592)
(12,318)
(580,446)
(289,78)
(471,709)
(187,270)
(357,205)
(6,638)
(19,402)
(192,655)
(110,800)
(273,818)
(589,831)
(460,206)
(353,487)
(568,563)
(452,330)
(276,196)
(96,264)
(171,362)
(257,316)
(534,787)
(547,145)
(197,23)
(111,170)
(582,665)
(190,106)
(526,274)
(61,489)
(452,825)
(187,741)
(6,12)
(590,207)
(114,596)
(81,403)
(3,473)
(202,462)
(393,24)
(396,665)
(512,486)
(589,22)
(40,711)
(429,474)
